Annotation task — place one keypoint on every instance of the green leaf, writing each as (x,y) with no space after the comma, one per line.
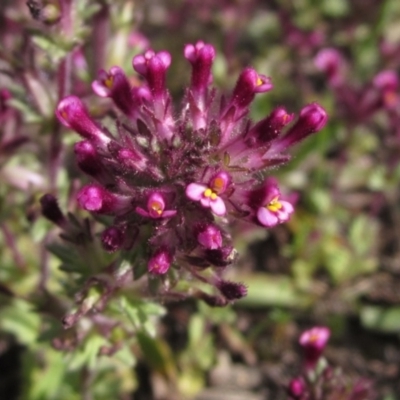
(267,290)
(87,355)
(158,355)
(381,319)
(19,319)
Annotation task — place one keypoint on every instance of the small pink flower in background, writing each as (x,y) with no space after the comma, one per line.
(331,62)
(314,342)
(387,82)
(296,388)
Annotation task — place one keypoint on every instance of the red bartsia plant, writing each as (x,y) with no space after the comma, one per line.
(319,380)
(173,180)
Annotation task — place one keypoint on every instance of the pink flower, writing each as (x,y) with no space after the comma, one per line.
(209,195)
(155,207)
(271,208)
(314,342)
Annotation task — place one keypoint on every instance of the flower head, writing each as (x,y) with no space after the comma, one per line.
(175,179)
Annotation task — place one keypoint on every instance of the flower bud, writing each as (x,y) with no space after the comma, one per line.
(112,239)
(160,262)
(248,84)
(87,158)
(97,199)
(51,210)
(312,119)
(201,56)
(221,257)
(331,62)
(296,388)
(209,236)
(232,290)
(269,128)
(72,113)
(153,66)
(386,80)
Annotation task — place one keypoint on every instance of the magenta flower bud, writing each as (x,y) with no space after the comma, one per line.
(314,342)
(153,66)
(221,257)
(141,94)
(268,205)
(201,56)
(386,80)
(387,83)
(331,62)
(312,119)
(130,158)
(51,210)
(87,158)
(115,84)
(97,199)
(72,113)
(232,290)
(296,388)
(160,262)
(269,128)
(248,84)
(210,237)
(156,207)
(112,239)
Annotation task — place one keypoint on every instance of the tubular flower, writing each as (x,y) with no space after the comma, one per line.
(314,342)
(175,179)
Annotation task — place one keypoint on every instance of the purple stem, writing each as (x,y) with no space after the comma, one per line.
(10,241)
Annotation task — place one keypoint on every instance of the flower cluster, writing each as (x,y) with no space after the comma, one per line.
(173,180)
(320,381)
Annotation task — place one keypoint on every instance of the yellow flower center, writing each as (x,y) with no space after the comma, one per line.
(259,81)
(274,205)
(157,207)
(314,337)
(210,194)
(109,82)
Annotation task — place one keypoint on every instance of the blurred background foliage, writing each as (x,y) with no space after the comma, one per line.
(337,262)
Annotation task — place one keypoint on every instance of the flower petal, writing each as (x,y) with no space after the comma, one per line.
(266,217)
(168,213)
(218,206)
(205,202)
(195,191)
